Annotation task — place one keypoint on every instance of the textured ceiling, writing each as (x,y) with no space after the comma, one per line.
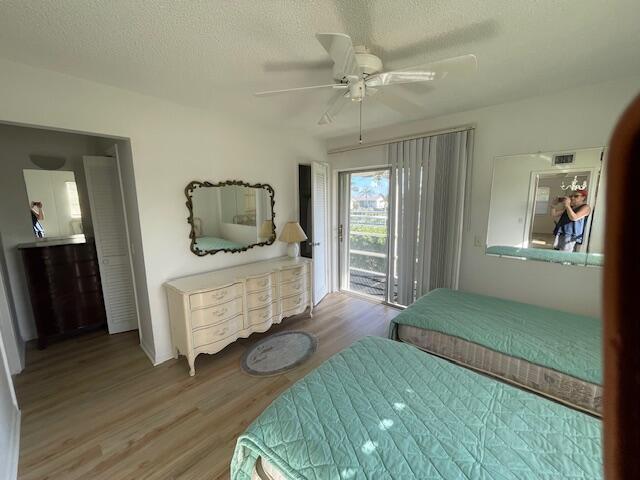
(214,54)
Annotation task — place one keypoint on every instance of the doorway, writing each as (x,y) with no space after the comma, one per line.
(63,225)
(363,232)
(313,203)
(306,211)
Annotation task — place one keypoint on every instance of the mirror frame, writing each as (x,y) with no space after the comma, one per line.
(586,258)
(195,184)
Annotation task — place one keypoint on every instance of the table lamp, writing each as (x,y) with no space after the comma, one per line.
(293,234)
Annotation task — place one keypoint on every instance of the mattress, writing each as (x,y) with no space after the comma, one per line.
(561,387)
(383,409)
(555,353)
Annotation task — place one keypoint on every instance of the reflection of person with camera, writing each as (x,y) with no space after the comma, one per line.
(570,214)
(37,214)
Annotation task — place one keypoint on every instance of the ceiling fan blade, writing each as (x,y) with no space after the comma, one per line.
(456,66)
(398,103)
(342,86)
(340,48)
(335,106)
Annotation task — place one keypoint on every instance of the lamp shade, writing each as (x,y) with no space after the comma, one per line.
(292,233)
(266,229)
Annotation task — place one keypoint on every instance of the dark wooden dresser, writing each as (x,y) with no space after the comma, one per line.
(64,285)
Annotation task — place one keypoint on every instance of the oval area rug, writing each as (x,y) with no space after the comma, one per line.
(278,353)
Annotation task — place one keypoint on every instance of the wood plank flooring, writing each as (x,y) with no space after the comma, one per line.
(94,408)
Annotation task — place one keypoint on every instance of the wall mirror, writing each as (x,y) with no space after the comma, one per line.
(53,203)
(549,207)
(230,216)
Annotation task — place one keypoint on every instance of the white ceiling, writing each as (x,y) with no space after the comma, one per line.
(214,54)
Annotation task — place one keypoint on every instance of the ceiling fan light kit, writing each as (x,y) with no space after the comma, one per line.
(358,74)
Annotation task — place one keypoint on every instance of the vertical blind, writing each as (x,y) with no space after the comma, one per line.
(429,183)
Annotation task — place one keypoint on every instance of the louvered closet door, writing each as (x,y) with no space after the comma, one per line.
(107,212)
(320,203)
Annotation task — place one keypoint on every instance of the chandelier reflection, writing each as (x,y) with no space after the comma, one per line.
(574,185)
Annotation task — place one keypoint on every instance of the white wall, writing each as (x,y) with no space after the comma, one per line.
(9,329)
(206,207)
(9,420)
(16,144)
(577,118)
(242,234)
(171,145)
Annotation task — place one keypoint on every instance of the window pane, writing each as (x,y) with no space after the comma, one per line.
(368,235)
(74,201)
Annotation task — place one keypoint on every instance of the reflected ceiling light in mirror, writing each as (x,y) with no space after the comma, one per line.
(574,185)
(47,162)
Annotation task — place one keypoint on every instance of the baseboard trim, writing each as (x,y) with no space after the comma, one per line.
(13,453)
(163,358)
(155,358)
(147,351)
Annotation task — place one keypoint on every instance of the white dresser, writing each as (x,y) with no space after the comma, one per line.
(209,311)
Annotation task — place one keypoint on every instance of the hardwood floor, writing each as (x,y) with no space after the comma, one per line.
(94,408)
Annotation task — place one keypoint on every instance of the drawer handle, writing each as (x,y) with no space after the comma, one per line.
(222,331)
(297,285)
(220,295)
(264,282)
(297,273)
(222,311)
(265,314)
(299,300)
(264,298)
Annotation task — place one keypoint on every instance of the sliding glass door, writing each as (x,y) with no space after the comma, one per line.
(363,232)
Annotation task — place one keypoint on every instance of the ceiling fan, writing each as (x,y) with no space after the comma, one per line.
(358,74)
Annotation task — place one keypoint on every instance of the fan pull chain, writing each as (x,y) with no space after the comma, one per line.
(361,102)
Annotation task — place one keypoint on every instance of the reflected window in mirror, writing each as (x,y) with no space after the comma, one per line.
(54,204)
(548,210)
(230,216)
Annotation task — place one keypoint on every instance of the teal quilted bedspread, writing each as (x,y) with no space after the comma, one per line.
(561,341)
(386,410)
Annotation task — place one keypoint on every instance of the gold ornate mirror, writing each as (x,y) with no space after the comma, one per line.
(230,216)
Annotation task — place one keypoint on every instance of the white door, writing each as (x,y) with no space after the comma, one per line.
(107,214)
(320,205)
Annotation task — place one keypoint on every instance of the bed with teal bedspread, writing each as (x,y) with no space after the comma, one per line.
(383,409)
(216,243)
(560,341)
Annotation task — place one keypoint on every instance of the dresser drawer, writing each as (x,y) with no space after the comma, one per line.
(215,315)
(215,297)
(261,299)
(291,274)
(294,302)
(293,288)
(262,315)
(259,283)
(209,311)
(208,335)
